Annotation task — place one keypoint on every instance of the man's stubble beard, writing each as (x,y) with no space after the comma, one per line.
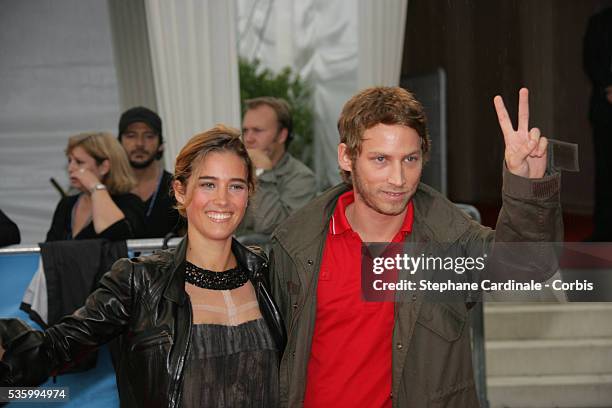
(359,188)
(143,165)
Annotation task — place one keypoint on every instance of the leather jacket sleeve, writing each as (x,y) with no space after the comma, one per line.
(32,356)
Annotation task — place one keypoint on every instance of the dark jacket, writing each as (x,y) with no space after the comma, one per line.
(144,301)
(9,233)
(160,215)
(71,270)
(431,363)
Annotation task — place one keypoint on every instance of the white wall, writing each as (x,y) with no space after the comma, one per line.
(57,78)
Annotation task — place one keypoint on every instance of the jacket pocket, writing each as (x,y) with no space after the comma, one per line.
(146,368)
(441,333)
(446,320)
(151,339)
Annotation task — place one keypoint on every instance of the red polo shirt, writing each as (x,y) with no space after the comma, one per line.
(350,358)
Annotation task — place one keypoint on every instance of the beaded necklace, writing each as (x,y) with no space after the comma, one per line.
(226,280)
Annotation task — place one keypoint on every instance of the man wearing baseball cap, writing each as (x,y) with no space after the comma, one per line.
(140,134)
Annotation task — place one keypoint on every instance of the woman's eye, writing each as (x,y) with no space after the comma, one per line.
(207,185)
(379,159)
(412,158)
(238,187)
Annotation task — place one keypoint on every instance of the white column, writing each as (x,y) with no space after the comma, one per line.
(132,54)
(381,42)
(195,67)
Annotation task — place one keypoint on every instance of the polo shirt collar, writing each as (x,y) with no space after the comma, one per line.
(339,223)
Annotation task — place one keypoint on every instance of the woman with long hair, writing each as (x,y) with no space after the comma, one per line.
(198,327)
(104,208)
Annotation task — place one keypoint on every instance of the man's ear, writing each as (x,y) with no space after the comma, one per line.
(179,191)
(282,136)
(344,159)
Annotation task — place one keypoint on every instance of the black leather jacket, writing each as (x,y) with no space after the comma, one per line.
(143,300)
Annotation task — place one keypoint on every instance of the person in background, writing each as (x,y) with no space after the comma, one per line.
(140,134)
(597,59)
(284,183)
(104,208)
(198,326)
(9,232)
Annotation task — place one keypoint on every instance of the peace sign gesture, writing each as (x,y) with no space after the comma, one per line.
(525,153)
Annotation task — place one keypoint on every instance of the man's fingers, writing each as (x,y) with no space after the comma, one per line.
(539,143)
(540,151)
(529,148)
(502,116)
(534,139)
(523,110)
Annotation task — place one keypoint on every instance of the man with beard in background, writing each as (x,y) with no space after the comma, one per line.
(140,134)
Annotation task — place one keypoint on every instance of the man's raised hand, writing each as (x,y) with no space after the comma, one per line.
(525,152)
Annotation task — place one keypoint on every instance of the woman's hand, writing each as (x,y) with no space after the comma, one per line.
(86,178)
(104,211)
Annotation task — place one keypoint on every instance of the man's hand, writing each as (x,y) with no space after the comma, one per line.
(525,153)
(260,159)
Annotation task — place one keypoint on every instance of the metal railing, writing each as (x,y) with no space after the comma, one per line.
(150,244)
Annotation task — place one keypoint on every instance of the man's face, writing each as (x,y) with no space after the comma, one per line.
(260,130)
(141,143)
(387,172)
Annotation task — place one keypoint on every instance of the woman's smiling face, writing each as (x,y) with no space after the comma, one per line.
(216,196)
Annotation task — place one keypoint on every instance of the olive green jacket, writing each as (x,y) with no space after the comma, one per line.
(431,360)
(281,191)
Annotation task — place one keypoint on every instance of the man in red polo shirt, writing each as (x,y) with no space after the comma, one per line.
(345,352)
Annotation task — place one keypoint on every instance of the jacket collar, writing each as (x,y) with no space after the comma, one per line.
(283,161)
(246,257)
(311,221)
